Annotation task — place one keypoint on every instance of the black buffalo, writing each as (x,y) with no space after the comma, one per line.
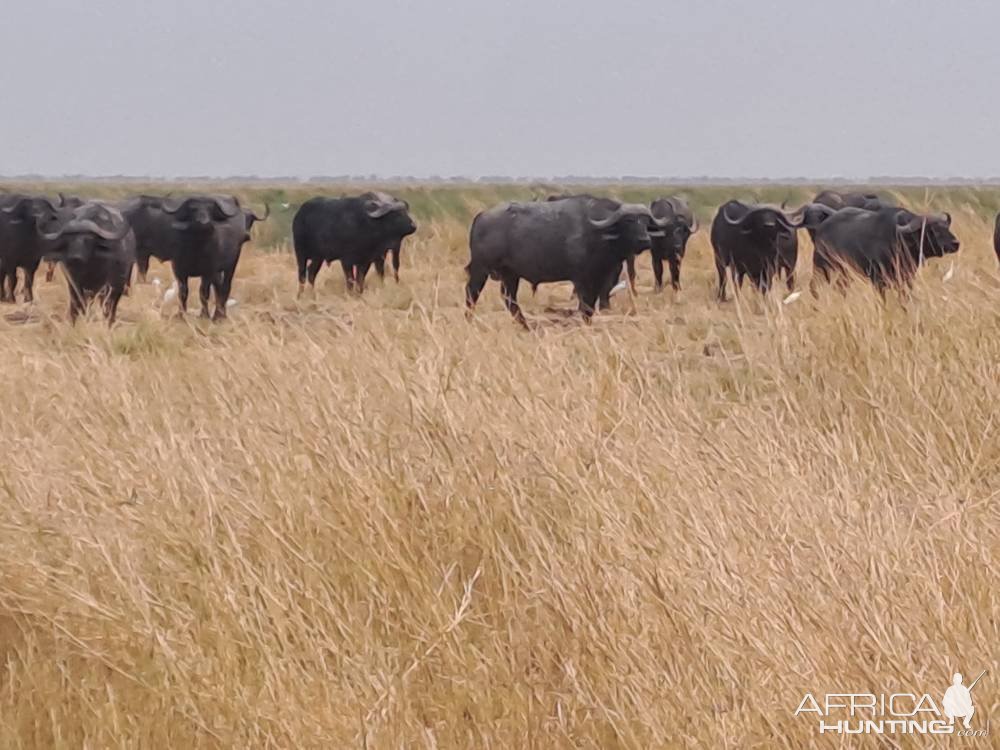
(581,239)
(21,245)
(755,241)
(155,235)
(356,231)
(208,233)
(677,223)
(837,200)
(96,247)
(887,246)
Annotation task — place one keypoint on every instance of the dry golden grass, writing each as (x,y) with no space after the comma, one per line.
(367,523)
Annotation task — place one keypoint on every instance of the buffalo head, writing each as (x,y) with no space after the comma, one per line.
(766,221)
(90,229)
(627,225)
(676,220)
(200,213)
(390,214)
(39,210)
(926,236)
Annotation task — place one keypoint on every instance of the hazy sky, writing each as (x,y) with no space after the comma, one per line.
(851,88)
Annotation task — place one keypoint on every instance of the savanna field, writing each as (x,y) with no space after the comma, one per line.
(341,522)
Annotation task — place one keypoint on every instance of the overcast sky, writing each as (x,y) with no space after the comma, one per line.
(780,88)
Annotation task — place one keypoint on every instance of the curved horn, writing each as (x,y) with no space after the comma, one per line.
(947,218)
(915,222)
(636,209)
(15,206)
(224,203)
(665,221)
(51,235)
(86,225)
(797,218)
(62,199)
(376,207)
(730,220)
(683,210)
(172,206)
(609,221)
(267,212)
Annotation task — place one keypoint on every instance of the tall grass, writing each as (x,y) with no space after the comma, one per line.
(342,522)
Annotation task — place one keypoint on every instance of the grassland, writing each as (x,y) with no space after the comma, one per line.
(343,522)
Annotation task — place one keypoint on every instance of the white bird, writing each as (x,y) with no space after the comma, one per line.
(791,298)
(949,273)
(620,286)
(231,303)
(157,283)
(285,205)
(171,294)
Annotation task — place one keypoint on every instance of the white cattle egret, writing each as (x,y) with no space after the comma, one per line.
(949,273)
(620,286)
(791,298)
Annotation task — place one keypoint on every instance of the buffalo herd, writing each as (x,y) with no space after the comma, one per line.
(580,238)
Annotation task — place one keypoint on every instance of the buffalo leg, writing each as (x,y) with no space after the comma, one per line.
(658,273)
(111,305)
(182,295)
(314,265)
(204,291)
(223,283)
(474,287)
(395,263)
(508,287)
(29,284)
(142,262)
(379,262)
(604,295)
(302,261)
(360,273)
(348,274)
(76,303)
(50,271)
(6,287)
(675,273)
(722,281)
(588,301)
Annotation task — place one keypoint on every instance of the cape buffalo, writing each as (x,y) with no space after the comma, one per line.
(837,201)
(20,244)
(581,239)
(97,250)
(208,236)
(677,222)
(886,245)
(755,241)
(154,231)
(356,231)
